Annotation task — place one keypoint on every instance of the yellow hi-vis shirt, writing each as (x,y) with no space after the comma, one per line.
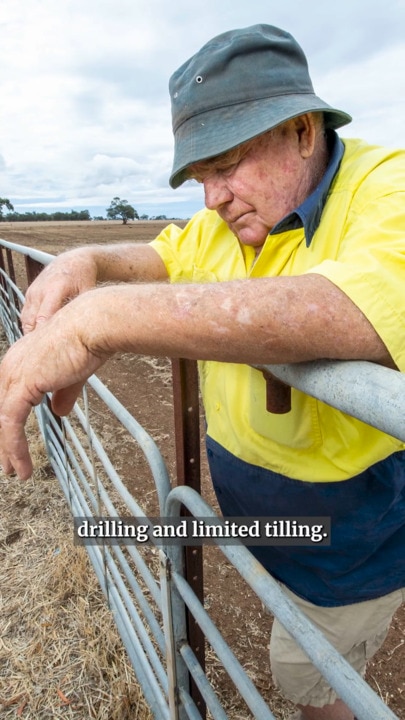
(360,246)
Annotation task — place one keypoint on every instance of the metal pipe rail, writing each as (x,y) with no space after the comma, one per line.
(368,392)
(150,603)
(341,676)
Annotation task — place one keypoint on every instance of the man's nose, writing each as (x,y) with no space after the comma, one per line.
(216,191)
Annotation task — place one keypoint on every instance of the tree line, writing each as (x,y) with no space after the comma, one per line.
(118,209)
(42,216)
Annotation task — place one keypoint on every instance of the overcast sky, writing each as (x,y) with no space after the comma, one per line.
(85,111)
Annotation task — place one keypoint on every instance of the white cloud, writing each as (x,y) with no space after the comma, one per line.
(372,90)
(85,107)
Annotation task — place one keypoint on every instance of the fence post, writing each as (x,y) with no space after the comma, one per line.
(32,268)
(187,435)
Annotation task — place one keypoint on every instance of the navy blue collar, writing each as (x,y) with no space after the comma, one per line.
(308,214)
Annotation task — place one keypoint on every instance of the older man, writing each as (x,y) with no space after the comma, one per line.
(298,256)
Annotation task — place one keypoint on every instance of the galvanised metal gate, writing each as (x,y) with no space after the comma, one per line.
(163,624)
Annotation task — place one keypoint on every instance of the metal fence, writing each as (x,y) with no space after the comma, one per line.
(162,620)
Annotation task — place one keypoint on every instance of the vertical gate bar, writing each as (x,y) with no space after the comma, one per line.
(10,264)
(3,267)
(187,436)
(10,291)
(5,304)
(170,635)
(32,269)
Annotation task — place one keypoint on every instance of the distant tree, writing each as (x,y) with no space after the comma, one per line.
(121,208)
(144,217)
(5,202)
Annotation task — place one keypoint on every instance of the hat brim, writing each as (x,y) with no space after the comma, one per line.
(217,131)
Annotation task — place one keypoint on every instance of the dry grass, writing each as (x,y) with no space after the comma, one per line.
(160,368)
(60,653)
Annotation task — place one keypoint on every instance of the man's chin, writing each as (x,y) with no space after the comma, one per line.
(249,229)
(248,236)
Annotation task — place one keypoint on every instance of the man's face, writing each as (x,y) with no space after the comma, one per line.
(256,185)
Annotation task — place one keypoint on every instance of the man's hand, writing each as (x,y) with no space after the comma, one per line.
(67,276)
(52,359)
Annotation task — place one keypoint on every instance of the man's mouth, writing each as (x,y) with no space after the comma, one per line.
(238,218)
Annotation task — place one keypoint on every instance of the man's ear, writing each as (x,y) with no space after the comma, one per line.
(306,132)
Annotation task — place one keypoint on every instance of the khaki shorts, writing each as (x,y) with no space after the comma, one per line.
(356,631)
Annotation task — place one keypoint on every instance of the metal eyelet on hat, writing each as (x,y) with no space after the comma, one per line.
(199,79)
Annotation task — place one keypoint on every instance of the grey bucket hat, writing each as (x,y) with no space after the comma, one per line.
(239,85)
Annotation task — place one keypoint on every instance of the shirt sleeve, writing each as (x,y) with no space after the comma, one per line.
(192,254)
(166,245)
(370,268)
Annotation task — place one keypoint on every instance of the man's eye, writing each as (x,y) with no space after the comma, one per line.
(224,170)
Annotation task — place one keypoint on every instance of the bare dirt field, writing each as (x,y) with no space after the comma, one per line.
(59,653)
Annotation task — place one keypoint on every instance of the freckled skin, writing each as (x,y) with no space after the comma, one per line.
(273,178)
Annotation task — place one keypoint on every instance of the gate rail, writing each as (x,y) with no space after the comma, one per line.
(153,615)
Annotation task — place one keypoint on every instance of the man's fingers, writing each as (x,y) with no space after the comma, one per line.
(63,400)
(34,314)
(28,319)
(14,452)
(29,326)
(59,282)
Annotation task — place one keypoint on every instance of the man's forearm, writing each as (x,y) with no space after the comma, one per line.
(125,262)
(79,270)
(271,320)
